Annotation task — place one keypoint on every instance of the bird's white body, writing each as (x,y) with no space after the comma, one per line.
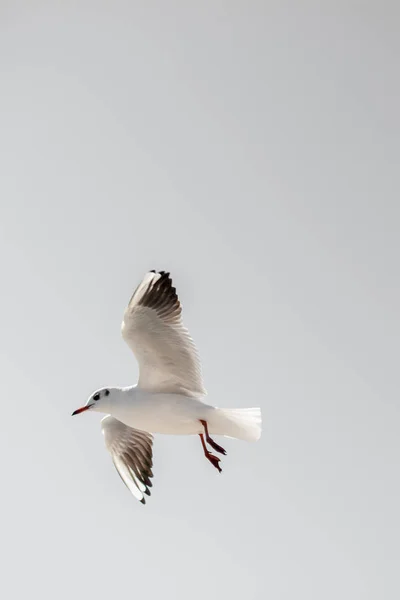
(173,414)
(168,398)
(176,414)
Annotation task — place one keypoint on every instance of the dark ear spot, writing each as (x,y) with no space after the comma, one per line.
(106,392)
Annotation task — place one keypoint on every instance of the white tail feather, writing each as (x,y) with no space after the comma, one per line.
(240,423)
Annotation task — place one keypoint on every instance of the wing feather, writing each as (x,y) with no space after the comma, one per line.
(153,329)
(131,451)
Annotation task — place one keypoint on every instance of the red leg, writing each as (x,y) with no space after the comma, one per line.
(214,460)
(213,444)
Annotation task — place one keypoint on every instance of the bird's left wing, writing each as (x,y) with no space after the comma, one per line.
(131,451)
(154,331)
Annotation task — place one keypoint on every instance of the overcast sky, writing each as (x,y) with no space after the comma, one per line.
(252,149)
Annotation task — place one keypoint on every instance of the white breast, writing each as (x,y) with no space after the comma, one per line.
(161,413)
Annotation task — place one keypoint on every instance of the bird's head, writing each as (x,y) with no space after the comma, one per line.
(98,401)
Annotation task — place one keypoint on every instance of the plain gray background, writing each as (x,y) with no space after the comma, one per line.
(252,149)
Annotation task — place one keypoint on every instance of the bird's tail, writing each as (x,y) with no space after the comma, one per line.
(240,423)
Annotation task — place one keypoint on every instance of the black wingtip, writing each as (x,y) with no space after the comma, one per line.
(143,501)
(164,274)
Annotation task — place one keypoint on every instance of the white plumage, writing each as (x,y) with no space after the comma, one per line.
(153,329)
(168,396)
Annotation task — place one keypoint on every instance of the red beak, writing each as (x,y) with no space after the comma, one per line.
(80,410)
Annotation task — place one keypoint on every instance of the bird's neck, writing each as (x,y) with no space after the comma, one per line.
(121,396)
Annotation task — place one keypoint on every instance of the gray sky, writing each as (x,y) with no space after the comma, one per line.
(252,149)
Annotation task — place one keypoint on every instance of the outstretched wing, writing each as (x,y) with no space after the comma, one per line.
(131,451)
(153,329)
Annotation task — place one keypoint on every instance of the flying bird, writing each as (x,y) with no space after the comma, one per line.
(169,395)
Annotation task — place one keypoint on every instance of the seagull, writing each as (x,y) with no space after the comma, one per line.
(169,395)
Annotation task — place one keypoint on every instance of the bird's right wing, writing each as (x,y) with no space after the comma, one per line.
(131,451)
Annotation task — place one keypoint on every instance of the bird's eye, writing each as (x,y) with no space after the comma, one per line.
(96,397)
(106,392)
